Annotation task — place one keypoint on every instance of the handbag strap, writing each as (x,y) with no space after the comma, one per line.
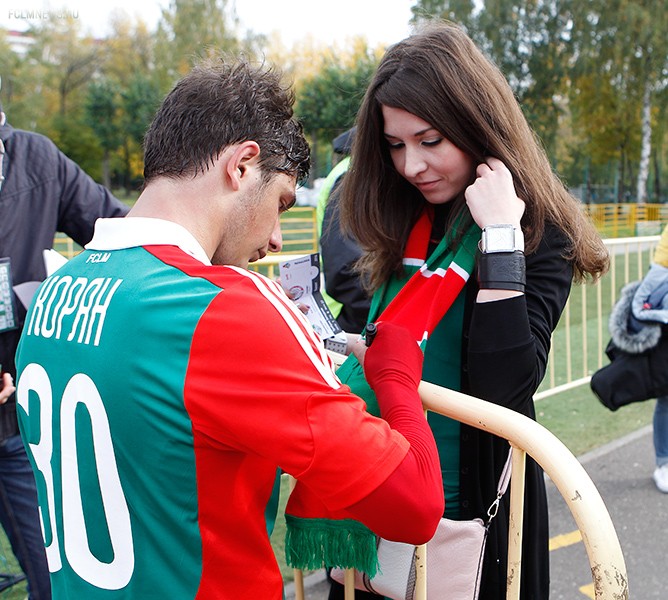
(504,480)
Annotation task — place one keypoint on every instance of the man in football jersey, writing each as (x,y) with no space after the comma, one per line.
(162,387)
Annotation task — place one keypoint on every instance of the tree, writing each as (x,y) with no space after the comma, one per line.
(459,11)
(327,102)
(139,101)
(68,59)
(129,66)
(621,62)
(128,50)
(10,64)
(101,117)
(190,30)
(652,53)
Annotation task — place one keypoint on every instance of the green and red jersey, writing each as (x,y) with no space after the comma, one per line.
(158,397)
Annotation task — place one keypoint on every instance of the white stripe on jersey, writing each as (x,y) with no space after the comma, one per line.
(297,323)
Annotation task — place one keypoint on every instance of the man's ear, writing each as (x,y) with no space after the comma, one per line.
(244,157)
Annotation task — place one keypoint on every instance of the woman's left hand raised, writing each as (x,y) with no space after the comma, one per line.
(491,198)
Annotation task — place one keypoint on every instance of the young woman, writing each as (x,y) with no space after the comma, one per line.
(449,183)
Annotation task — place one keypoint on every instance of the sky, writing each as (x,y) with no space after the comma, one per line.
(380,21)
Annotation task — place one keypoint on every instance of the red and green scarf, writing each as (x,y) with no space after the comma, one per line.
(418,301)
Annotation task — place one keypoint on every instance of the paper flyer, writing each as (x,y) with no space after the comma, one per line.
(300,278)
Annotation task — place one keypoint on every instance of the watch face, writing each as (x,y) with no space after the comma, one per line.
(499,239)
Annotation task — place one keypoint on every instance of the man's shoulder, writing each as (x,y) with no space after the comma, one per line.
(232,279)
(32,137)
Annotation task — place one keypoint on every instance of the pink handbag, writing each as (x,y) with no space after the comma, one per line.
(454,559)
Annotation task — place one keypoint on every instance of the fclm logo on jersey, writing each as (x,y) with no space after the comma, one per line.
(65,306)
(99,257)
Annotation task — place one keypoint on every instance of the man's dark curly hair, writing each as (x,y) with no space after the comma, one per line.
(220,103)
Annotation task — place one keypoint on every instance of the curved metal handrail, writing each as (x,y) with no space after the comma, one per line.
(569,476)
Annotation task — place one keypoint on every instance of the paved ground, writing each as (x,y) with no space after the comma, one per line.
(622,473)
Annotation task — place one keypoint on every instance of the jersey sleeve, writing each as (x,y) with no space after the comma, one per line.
(259,382)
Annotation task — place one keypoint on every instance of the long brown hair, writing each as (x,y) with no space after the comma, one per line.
(439,75)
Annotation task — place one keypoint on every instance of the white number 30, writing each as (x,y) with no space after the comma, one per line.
(80,390)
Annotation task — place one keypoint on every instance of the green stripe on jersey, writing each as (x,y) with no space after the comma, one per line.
(118,423)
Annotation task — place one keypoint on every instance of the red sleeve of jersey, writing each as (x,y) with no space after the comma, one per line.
(393,367)
(259,382)
(412,492)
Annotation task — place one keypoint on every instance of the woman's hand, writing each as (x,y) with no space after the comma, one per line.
(491,198)
(358,348)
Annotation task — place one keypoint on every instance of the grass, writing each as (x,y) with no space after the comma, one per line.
(9,565)
(582,423)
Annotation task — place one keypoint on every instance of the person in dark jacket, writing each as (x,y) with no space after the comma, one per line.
(42,192)
(338,251)
(467,232)
(638,353)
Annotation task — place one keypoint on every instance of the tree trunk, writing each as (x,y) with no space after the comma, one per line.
(106,179)
(127,175)
(620,176)
(657,177)
(643,171)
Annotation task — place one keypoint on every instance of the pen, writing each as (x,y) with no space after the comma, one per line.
(370,333)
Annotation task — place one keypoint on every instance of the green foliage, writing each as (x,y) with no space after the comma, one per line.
(621,49)
(76,139)
(190,30)
(459,11)
(139,101)
(101,113)
(328,102)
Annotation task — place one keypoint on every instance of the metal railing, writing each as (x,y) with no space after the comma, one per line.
(66,246)
(528,437)
(615,220)
(583,326)
(579,341)
(298,227)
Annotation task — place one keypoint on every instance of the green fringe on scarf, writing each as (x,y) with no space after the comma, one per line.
(310,543)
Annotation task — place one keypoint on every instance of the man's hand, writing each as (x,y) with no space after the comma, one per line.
(7,387)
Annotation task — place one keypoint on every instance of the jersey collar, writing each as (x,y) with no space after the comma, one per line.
(130,232)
